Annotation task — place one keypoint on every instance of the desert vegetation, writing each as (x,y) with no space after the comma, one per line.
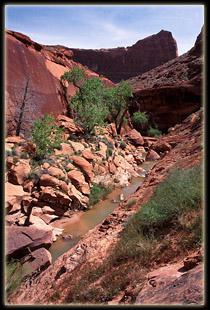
(147,236)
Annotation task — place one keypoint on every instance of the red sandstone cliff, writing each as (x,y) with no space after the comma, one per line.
(44,66)
(172,91)
(125,62)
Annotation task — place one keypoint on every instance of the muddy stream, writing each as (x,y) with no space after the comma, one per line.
(93,216)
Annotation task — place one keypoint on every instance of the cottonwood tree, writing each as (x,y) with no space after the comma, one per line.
(93,102)
(22,105)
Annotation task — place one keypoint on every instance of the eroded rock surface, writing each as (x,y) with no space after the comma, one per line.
(173,285)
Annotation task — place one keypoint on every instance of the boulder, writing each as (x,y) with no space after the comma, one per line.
(78,180)
(28,185)
(9,162)
(64,187)
(68,124)
(15,139)
(67,237)
(98,169)
(48,210)
(135,137)
(48,194)
(12,219)
(19,239)
(48,180)
(77,146)
(36,211)
(19,172)
(138,158)
(102,151)
(13,205)
(47,218)
(161,146)
(65,149)
(85,166)
(56,172)
(35,261)
(37,222)
(152,156)
(14,195)
(77,198)
(88,155)
(112,168)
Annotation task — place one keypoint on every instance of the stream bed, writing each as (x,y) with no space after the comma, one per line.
(95,215)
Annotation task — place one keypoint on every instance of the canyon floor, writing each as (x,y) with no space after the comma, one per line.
(170,272)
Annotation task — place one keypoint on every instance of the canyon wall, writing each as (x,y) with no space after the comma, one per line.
(125,62)
(172,91)
(43,66)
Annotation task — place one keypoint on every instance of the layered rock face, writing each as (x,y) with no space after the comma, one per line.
(43,66)
(171,92)
(125,62)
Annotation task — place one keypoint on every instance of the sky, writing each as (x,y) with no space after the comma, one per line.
(105,26)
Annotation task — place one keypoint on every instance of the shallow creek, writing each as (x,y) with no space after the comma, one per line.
(95,215)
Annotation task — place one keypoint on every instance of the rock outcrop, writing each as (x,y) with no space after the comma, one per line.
(173,285)
(125,62)
(170,92)
(19,239)
(42,66)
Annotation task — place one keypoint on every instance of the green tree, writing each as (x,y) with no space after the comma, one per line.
(117,102)
(93,101)
(75,76)
(46,135)
(89,105)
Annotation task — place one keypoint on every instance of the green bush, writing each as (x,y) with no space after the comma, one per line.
(46,135)
(177,195)
(98,192)
(108,152)
(139,118)
(14,276)
(154,132)
(24,155)
(122,145)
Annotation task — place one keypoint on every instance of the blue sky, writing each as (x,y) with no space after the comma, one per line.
(105,26)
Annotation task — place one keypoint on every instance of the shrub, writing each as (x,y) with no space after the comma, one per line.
(24,155)
(139,118)
(46,135)
(14,276)
(108,152)
(122,145)
(98,192)
(154,132)
(131,202)
(183,189)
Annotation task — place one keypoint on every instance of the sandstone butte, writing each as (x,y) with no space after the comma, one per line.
(125,62)
(172,91)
